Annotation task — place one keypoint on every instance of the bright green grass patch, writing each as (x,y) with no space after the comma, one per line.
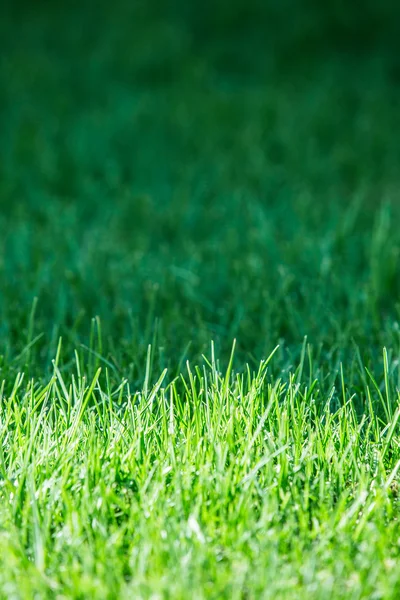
(215,485)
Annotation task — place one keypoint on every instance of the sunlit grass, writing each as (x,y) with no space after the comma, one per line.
(216,484)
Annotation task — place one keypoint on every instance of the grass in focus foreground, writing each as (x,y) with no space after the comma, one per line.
(214,485)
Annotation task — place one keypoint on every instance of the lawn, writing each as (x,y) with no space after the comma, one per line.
(199,300)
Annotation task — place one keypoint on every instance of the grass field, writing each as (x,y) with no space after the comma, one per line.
(199,300)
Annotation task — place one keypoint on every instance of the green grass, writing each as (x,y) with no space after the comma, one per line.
(173,178)
(216,485)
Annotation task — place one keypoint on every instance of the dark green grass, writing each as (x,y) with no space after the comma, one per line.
(176,173)
(221,177)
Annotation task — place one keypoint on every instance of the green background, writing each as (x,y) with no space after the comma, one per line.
(197,171)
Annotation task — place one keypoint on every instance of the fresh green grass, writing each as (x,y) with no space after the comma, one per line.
(216,485)
(176,173)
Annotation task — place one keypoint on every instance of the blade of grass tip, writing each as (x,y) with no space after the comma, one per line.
(299,371)
(154,391)
(58,353)
(84,403)
(156,326)
(17,384)
(31,325)
(381,398)
(342,384)
(269,358)
(147,372)
(171,425)
(42,395)
(100,358)
(99,336)
(373,417)
(229,368)
(60,380)
(360,363)
(261,423)
(214,363)
(182,360)
(28,348)
(194,399)
(310,364)
(256,381)
(78,366)
(91,362)
(192,381)
(248,375)
(206,360)
(387,385)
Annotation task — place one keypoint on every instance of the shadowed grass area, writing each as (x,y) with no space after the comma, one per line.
(176,173)
(222,172)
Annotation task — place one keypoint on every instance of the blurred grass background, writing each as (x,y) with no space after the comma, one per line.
(189,171)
